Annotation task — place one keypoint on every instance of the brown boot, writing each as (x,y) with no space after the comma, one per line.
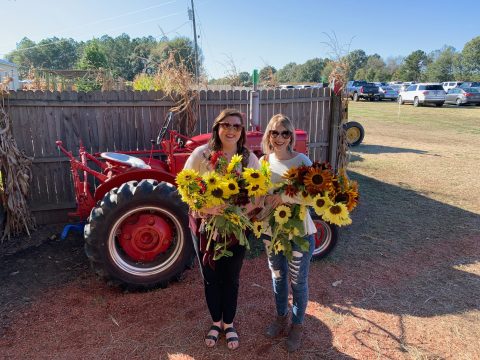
(277,327)
(294,339)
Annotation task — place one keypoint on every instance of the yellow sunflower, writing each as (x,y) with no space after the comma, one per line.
(234,218)
(306,198)
(317,180)
(337,214)
(211,179)
(211,201)
(282,214)
(290,174)
(258,228)
(230,187)
(303,212)
(256,190)
(321,203)
(234,162)
(254,176)
(278,246)
(185,176)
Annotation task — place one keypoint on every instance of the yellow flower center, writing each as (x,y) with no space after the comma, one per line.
(335,209)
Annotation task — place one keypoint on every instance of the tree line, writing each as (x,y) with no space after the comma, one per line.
(123,56)
(127,57)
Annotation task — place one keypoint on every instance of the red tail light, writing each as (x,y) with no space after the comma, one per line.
(468,94)
(361,89)
(425,92)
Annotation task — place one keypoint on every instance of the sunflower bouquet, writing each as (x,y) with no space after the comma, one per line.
(332,197)
(316,186)
(225,185)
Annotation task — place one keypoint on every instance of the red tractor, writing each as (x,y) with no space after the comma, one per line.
(137,232)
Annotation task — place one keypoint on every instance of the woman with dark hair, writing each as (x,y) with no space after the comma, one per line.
(222,280)
(278,143)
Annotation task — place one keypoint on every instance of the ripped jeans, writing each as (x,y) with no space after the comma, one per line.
(297,269)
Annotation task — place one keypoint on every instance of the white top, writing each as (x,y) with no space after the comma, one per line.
(198,160)
(278,168)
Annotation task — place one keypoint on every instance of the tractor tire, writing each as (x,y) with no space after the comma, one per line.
(138,236)
(325,238)
(354,132)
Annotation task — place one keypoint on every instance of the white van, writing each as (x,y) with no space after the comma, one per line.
(451,84)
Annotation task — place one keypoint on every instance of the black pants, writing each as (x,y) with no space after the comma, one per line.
(221,285)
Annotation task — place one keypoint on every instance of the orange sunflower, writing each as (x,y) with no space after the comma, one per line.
(290,174)
(317,180)
(348,197)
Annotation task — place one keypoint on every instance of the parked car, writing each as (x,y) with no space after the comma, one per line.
(362,90)
(470,84)
(302,86)
(462,96)
(388,93)
(423,93)
(286,87)
(451,84)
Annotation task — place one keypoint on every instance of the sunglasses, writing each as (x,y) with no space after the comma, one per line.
(228,126)
(285,134)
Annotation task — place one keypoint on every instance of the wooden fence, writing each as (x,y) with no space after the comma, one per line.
(127,120)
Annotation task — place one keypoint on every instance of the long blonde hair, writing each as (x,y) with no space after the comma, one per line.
(286,123)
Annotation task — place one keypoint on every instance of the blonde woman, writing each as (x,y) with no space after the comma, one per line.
(278,143)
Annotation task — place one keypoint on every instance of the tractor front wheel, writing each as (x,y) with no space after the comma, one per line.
(354,133)
(138,236)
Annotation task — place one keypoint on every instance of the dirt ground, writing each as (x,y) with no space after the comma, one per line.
(402,283)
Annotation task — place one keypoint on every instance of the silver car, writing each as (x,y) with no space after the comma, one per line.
(387,92)
(461,96)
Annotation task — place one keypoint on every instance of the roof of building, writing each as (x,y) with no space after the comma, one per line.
(5,62)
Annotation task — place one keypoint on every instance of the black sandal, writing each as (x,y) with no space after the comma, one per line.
(233,338)
(213,337)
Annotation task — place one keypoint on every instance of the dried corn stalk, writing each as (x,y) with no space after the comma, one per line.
(16,176)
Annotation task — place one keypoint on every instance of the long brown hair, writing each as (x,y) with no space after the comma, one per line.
(215,144)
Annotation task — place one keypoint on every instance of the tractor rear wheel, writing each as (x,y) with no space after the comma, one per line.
(138,236)
(354,133)
(325,238)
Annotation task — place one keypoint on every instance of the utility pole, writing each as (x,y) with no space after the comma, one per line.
(191,14)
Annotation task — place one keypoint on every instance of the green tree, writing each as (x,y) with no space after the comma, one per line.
(267,75)
(355,60)
(288,73)
(471,59)
(52,53)
(413,67)
(93,58)
(441,67)
(182,49)
(310,71)
(244,79)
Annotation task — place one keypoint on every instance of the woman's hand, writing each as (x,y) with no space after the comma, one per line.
(214,210)
(273,201)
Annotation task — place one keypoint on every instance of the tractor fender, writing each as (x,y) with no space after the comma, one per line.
(138,175)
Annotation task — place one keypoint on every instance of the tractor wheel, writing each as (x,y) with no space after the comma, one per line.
(325,238)
(355,133)
(138,236)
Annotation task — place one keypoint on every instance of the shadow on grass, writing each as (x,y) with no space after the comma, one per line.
(408,254)
(380,149)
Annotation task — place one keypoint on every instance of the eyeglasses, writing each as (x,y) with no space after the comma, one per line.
(285,134)
(228,126)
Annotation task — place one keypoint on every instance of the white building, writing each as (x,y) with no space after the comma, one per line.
(8,69)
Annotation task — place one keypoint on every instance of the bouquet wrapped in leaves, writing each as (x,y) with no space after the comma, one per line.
(331,197)
(225,185)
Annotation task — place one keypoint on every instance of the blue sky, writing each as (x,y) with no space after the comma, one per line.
(253,33)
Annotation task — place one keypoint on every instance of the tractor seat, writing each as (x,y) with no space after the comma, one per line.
(125,160)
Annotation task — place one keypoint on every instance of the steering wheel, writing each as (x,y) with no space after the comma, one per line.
(164,128)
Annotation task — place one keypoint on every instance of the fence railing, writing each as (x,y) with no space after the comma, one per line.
(127,120)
